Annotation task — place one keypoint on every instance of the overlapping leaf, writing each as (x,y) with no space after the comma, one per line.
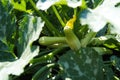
(104,13)
(20,5)
(7,28)
(30,29)
(84,65)
(45,4)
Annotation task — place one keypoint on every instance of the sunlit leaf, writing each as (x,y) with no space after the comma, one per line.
(92,19)
(74,3)
(98,17)
(32,28)
(118,37)
(19,5)
(17,67)
(45,4)
(29,30)
(112,43)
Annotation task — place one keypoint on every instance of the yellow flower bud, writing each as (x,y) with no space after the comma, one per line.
(70,23)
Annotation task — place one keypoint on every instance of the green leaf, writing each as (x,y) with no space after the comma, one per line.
(88,37)
(5,53)
(16,67)
(102,39)
(19,6)
(30,32)
(102,50)
(93,3)
(108,73)
(97,2)
(112,43)
(84,65)
(7,28)
(116,62)
(41,74)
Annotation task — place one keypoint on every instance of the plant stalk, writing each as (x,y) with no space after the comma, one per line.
(58,16)
(53,30)
(49,56)
(88,38)
(47,67)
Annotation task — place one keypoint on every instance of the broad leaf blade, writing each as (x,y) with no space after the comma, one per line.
(7,28)
(5,53)
(102,14)
(92,19)
(30,31)
(19,6)
(74,3)
(116,62)
(45,4)
(86,65)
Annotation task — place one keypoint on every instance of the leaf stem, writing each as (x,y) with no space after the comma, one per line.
(102,50)
(39,72)
(75,11)
(58,16)
(53,30)
(88,38)
(50,56)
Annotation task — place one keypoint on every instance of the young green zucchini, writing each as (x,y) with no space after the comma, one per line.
(71,38)
(51,40)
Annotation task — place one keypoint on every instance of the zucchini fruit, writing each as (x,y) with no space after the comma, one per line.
(71,38)
(51,40)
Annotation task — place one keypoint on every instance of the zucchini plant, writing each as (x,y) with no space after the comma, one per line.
(59,40)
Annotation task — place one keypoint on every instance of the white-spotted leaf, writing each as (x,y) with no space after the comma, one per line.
(84,65)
